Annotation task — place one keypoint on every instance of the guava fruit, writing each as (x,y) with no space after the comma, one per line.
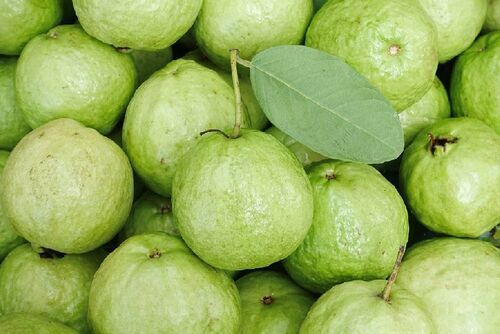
(69,74)
(148,62)
(153,283)
(393,43)
(449,177)
(24,323)
(48,283)
(144,25)
(21,20)
(457,23)
(475,85)
(271,303)
(150,213)
(167,114)
(12,125)
(250,27)
(360,220)
(67,188)
(457,281)
(241,203)
(492,21)
(433,106)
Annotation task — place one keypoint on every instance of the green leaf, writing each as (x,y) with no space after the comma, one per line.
(323,103)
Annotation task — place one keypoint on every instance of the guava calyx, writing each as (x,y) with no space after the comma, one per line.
(155,253)
(440,141)
(267,300)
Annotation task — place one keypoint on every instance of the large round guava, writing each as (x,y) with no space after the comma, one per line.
(25,323)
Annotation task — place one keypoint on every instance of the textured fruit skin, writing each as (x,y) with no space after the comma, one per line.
(283,315)
(67,188)
(457,281)
(67,73)
(167,114)
(433,106)
(457,23)
(356,308)
(475,83)
(176,292)
(359,223)
(250,26)
(21,20)
(454,191)
(492,21)
(12,125)
(24,323)
(148,62)
(241,203)
(362,33)
(54,287)
(137,24)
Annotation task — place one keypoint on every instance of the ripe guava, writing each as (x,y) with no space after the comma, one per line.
(24,323)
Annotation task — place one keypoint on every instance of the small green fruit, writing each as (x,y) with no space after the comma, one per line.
(24,323)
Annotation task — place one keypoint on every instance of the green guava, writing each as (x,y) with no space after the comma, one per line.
(271,303)
(475,83)
(241,203)
(67,188)
(392,43)
(356,307)
(48,283)
(457,281)
(167,114)
(12,125)
(433,106)
(137,24)
(23,323)
(360,220)
(148,62)
(153,283)
(150,213)
(457,23)
(250,27)
(21,20)
(69,74)
(492,21)
(449,177)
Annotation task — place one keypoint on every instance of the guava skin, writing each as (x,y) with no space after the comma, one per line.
(451,189)
(153,283)
(457,281)
(393,43)
(356,308)
(12,125)
(492,21)
(67,188)
(271,303)
(47,284)
(250,27)
(148,62)
(475,85)
(137,24)
(359,223)
(69,74)
(21,20)
(166,115)
(23,323)
(231,205)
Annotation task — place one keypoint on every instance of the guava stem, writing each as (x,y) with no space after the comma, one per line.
(243,62)
(386,294)
(237,94)
(214,130)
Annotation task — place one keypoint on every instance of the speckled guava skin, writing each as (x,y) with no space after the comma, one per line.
(393,43)
(241,203)
(153,284)
(67,73)
(250,26)
(356,308)
(475,83)
(47,284)
(457,281)
(492,21)
(12,124)
(359,223)
(167,114)
(66,187)
(271,303)
(25,323)
(453,189)
(21,20)
(148,62)
(137,24)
